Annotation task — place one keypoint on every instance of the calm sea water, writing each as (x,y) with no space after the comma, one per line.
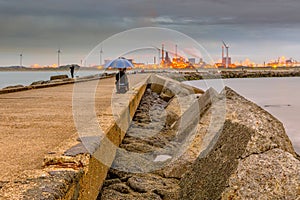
(279,96)
(26,78)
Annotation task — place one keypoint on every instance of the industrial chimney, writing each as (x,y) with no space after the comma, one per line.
(162,53)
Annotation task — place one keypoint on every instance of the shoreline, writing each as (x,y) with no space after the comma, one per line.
(179,75)
(227,74)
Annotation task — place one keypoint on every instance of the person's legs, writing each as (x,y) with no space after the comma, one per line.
(117,87)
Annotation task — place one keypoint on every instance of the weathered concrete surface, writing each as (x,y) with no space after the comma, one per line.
(57,77)
(153,142)
(51,83)
(38,123)
(132,174)
(103,155)
(192,127)
(269,131)
(167,87)
(250,157)
(271,175)
(220,140)
(141,186)
(13,87)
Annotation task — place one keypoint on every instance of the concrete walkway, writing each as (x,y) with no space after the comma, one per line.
(35,123)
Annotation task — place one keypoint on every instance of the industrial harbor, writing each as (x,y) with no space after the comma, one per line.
(149,100)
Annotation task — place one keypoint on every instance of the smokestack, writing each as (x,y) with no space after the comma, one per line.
(162,53)
(167,56)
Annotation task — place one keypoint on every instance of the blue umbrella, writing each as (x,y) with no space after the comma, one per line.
(119,63)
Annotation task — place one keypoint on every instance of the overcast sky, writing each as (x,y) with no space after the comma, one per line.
(258,29)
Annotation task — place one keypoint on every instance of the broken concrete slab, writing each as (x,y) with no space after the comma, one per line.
(249,157)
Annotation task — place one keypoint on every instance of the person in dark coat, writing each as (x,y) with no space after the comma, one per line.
(72,70)
(122,81)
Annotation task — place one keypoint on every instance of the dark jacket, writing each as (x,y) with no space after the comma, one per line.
(121,78)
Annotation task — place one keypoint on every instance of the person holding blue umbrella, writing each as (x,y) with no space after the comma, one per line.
(121,63)
(122,85)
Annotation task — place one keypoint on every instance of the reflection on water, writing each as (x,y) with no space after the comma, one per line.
(279,96)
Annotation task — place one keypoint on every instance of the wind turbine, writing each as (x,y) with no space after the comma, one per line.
(227,54)
(21,61)
(58,57)
(101,52)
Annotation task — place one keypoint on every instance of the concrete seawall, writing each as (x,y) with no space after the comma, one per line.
(52,83)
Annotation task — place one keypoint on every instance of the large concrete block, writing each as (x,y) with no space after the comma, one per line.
(192,126)
(250,157)
(157,83)
(224,174)
(57,77)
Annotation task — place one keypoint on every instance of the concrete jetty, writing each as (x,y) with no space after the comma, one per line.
(161,140)
(38,123)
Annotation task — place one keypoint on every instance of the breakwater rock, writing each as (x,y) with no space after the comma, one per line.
(202,146)
(150,144)
(224,74)
(131,175)
(259,73)
(13,87)
(251,157)
(57,77)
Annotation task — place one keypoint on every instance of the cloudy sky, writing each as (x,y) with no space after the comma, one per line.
(261,30)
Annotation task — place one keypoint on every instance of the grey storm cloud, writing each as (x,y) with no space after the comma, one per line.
(188,11)
(38,24)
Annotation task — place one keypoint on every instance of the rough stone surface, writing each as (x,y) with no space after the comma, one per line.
(57,77)
(178,167)
(227,153)
(14,86)
(224,152)
(250,157)
(147,136)
(142,186)
(166,94)
(150,143)
(40,82)
(43,185)
(243,73)
(174,88)
(190,131)
(274,174)
(269,132)
(179,104)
